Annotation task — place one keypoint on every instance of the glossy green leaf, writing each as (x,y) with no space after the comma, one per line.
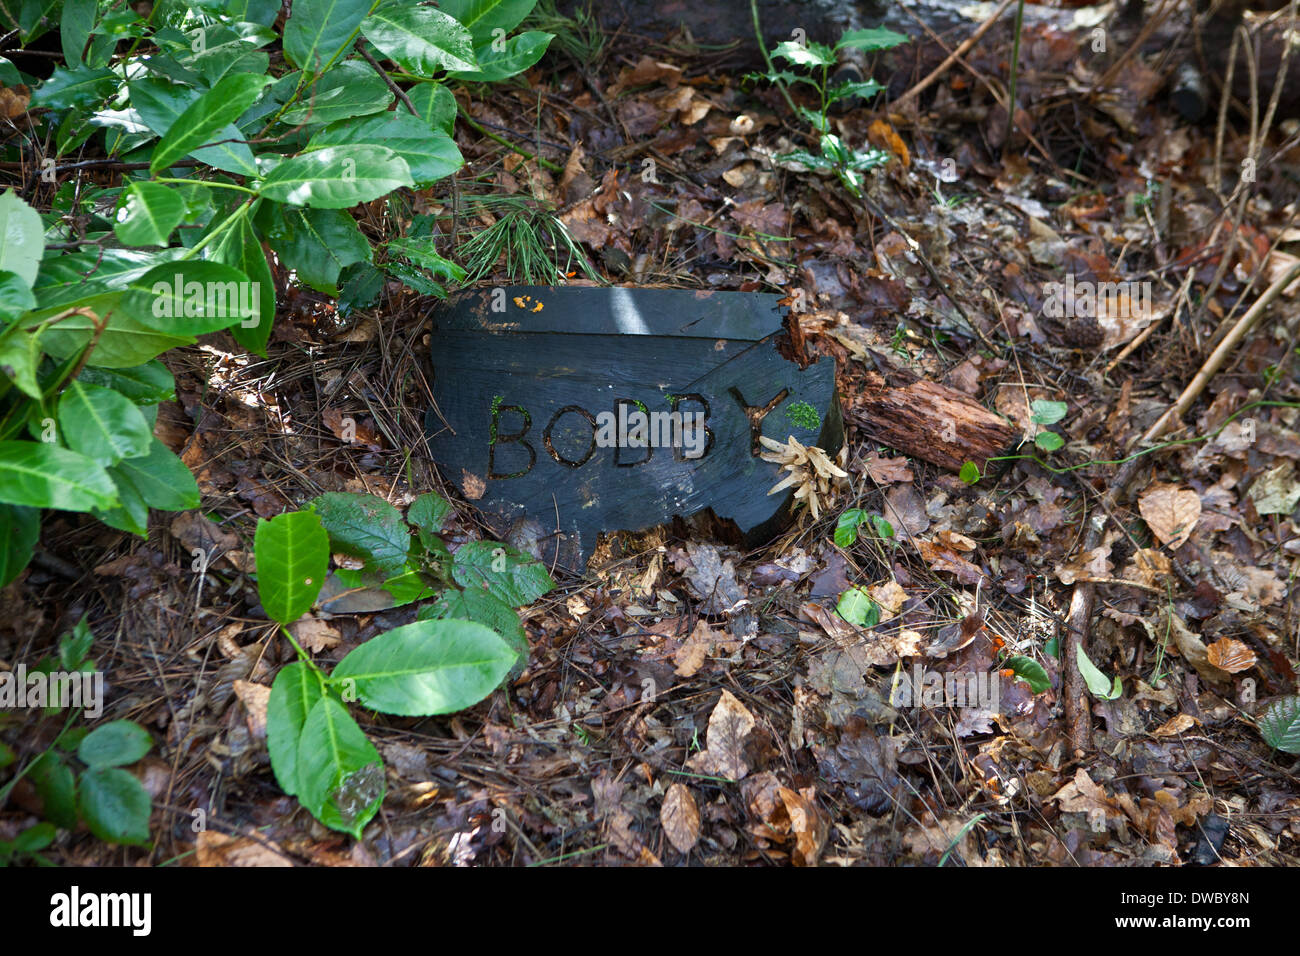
(75,26)
(429,153)
(366,527)
(294,693)
(20,529)
(501,570)
(114,744)
(146,384)
(241,247)
(1030,671)
(318,244)
(435,104)
(429,667)
(101,424)
(203,120)
(159,478)
(349,91)
(337,177)
(161,104)
(482,17)
(868,40)
(316,32)
(114,805)
(190,298)
(80,86)
(515,55)
(485,609)
(421,40)
(22,237)
(340,773)
(809,54)
(20,357)
(148,213)
(41,475)
(292,551)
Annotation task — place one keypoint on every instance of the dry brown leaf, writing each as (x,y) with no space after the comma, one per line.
(1175,726)
(218,849)
(941,557)
(807,822)
(1193,649)
(729,726)
(1082,795)
(690,657)
(680,818)
(314,634)
(887,471)
(1170,512)
(14,101)
(1231,656)
(254,697)
(890,596)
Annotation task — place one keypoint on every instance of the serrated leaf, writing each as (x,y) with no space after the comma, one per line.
(340,773)
(429,667)
(501,570)
(115,744)
(429,513)
(810,54)
(1279,725)
(295,691)
(337,177)
(114,805)
(101,424)
(364,526)
(292,552)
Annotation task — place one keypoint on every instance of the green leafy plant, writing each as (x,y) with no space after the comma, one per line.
(814,61)
(80,777)
(846,529)
(1030,671)
(1100,685)
(1048,413)
(459,649)
(1279,724)
(212,153)
(857,607)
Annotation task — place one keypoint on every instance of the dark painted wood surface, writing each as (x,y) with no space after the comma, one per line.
(520,388)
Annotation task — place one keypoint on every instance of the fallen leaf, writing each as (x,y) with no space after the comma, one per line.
(254,697)
(314,634)
(1231,656)
(680,818)
(807,822)
(218,849)
(1170,512)
(1175,726)
(729,726)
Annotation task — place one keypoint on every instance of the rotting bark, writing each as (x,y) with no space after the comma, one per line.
(932,422)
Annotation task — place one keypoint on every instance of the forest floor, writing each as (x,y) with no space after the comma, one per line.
(770,738)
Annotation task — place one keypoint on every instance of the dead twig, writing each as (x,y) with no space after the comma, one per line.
(954,56)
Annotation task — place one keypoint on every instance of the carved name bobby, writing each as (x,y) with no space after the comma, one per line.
(567,412)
